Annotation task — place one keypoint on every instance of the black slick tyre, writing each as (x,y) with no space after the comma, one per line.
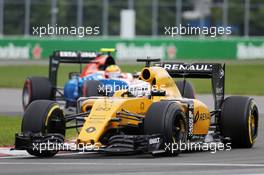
(239,121)
(36,88)
(46,118)
(167,118)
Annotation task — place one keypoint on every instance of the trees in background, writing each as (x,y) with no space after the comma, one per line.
(40,15)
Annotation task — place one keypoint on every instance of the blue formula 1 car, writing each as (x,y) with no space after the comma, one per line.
(100,73)
(100,77)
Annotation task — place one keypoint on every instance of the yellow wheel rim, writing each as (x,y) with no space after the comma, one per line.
(251,127)
(50,112)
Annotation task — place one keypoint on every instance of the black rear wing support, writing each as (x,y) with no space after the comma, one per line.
(213,71)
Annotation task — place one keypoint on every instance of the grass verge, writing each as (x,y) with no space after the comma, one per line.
(13,76)
(11,125)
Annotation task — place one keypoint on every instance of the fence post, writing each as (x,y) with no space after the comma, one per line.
(54,12)
(1,17)
(79,13)
(225,13)
(246,18)
(130,4)
(105,17)
(154,17)
(178,8)
(27,17)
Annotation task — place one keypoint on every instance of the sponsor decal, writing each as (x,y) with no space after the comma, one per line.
(88,54)
(132,51)
(12,51)
(37,52)
(190,128)
(200,117)
(154,141)
(219,90)
(250,51)
(90,129)
(221,73)
(142,106)
(189,67)
(67,54)
(72,54)
(171,52)
(101,108)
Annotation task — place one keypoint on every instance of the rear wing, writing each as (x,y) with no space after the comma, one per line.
(213,71)
(73,57)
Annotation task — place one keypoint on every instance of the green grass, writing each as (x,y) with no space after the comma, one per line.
(8,127)
(11,125)
(14,76)
(243,79)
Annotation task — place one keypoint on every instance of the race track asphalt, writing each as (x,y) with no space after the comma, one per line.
(236,161)
(11,102)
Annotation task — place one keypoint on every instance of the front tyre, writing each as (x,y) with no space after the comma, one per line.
(46,118)
(239,121)
(167,118)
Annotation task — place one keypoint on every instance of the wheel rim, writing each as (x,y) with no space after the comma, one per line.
(55,121)
(179,130)
(26,94)
(26,97)
(252,127)
(252,123)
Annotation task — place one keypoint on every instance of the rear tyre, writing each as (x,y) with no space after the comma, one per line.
(36,88)
(239,121)
(186,89)
(167,118)
(91,88)
(46,118)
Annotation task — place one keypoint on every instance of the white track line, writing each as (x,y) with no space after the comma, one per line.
(134,164)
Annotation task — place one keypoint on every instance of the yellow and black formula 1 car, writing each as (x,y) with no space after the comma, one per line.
(163,115)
